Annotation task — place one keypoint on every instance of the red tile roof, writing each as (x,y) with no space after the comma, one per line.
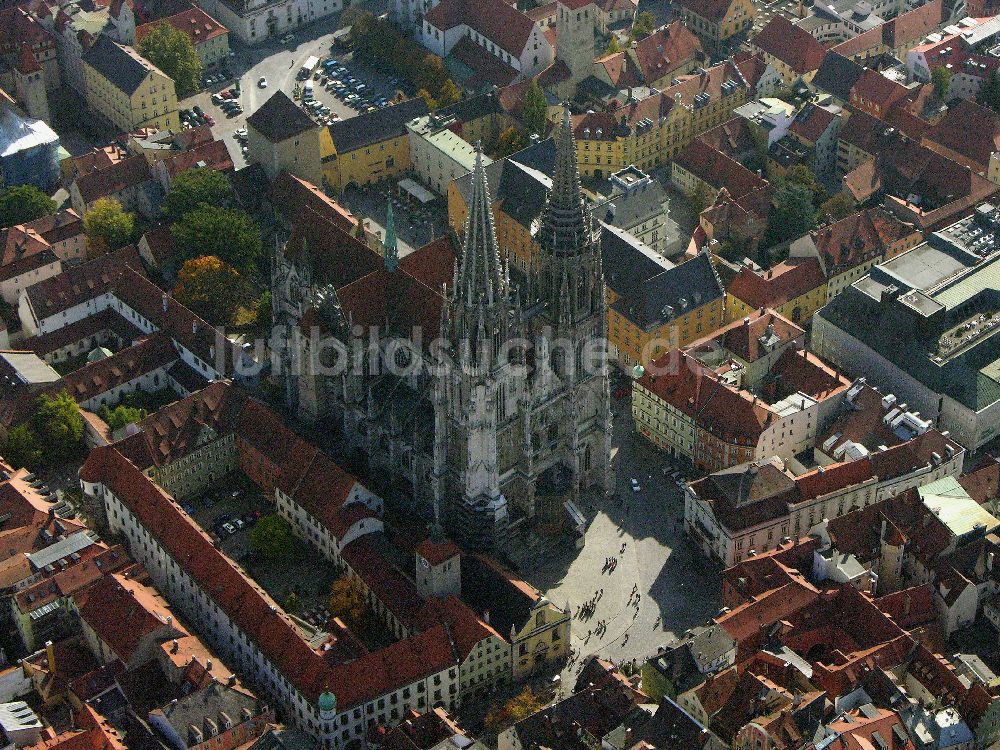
(252,610)
(116,178)
(791,44)
(498,21)
(784,282)
(970,131)
(718,170)
(194,22)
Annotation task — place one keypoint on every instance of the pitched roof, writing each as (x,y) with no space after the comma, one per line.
(375,127)
(125,68)
(79,283)
(713,10)
(969,130)
(837,75)
(665,50)
(718,170)
(194,22)
(252,610)
(782,283)
(279,119)
(120,176)
(499,21)
(791,44)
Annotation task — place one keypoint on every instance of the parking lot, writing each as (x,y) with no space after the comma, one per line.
(278,62)
(229,512)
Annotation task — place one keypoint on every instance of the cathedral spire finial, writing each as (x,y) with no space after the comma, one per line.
(390,245)
(480,274)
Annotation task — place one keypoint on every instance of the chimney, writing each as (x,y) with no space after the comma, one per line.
(164,302)
(50,656)
(194,326)
(174,646)
(906,604)
(208,665)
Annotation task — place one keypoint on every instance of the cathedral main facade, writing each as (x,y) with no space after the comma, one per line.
(483,402)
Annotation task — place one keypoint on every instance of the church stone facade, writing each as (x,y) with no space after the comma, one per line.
(485,402)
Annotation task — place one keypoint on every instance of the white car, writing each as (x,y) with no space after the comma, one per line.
(262,82)
(635,484)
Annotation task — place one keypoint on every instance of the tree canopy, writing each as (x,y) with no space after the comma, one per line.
(511,140)
(645,24)
(194,188)
(271,538)
(792,215)
(802,175)
(21,448)
(347,601)
(613,46)
(518,708)
(231,235)
(108,226)
(989,93)
(58,426)
(23,203)
(941,79)
(211,288)
(840,206)
(121,415)
(533,109)
(172,51)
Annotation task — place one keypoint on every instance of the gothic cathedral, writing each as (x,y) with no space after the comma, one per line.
(497,418)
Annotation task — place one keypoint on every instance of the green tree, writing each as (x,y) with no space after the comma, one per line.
(108,226)
(292,604)
(533,109)
(792,215)
(271,538)
(840,206)
(430,74)
(702,197)
(21,448)
(347,601)
(518,708)
(989,93)
(428,99)
(58,426)
(511,141)
(229,234)
(449,94)
(23,203)
(802,175)
(941,80)
(613,46)
(121,415)
(172,51)
(211,288)
(195,188)
(644,25)
(264,313)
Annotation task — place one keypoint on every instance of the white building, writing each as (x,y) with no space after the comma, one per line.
(439,155)
(495,26)
(255,21)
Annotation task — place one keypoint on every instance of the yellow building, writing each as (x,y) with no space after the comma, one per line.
(716,22)
(128,90)
(791,50)
(649,132)
(542,640)
(281,137)
(517,200)
(369,147)
(795,288)
(653,305)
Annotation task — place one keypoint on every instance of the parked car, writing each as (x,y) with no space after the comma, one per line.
(635,484)
(229,529)
(209,120)
(217,99)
